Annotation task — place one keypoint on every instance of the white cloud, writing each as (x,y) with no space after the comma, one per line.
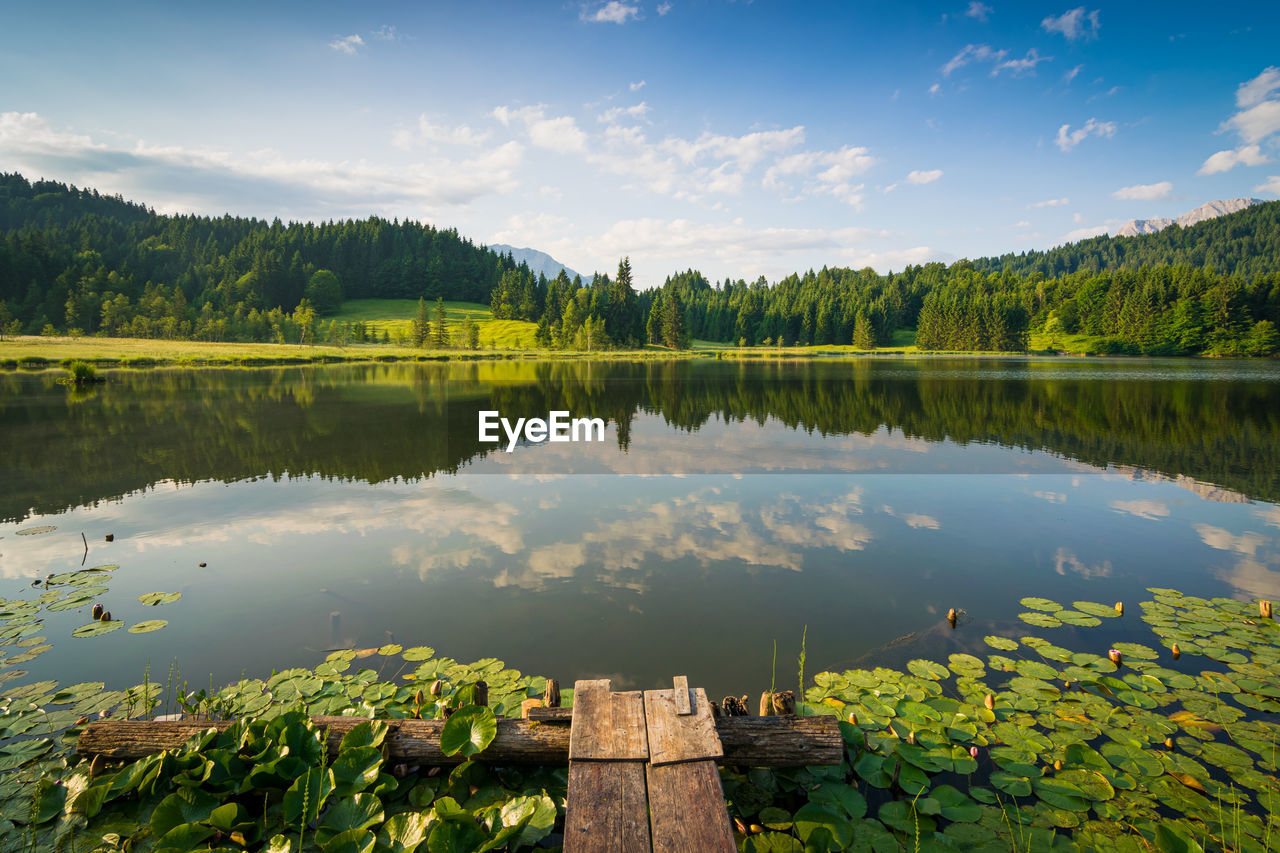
(973,53)
(1074,24)
(935,89)
(560,133)
(612,114)
(663,8)
(212,181)
(1257,122)
(1272,185)
(1022,224)
(1256,90)
(1065,561)
(1245,155)
(979,10)
(1052,202)
(428,133)
(1068,139)
(612,12)
(347,44)
(1071,75)
(837,168)
(915,176)
(386,33)
(1144,192)
(637,86)
(1021,66)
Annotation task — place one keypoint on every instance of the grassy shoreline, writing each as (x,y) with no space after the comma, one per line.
(36,352)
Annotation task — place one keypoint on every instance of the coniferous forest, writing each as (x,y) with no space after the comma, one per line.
(73,261)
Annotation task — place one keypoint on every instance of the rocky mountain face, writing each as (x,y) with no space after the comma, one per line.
(539,262)
(1209,210)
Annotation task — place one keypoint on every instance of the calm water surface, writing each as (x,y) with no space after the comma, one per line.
(731,506)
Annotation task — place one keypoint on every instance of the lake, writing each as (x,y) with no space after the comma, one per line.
(733,507)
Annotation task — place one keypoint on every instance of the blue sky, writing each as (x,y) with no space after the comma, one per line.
(739,138)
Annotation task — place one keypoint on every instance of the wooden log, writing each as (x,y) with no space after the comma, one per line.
(551,696)
(607,808)
(784,703)
(687,810)
(766,704)
(747,741)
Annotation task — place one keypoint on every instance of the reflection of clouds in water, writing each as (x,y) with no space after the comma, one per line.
(692,528)
(1051,497)
(1269,515)
(1251,578)
(914,519)
(1065,561)
(429,510)
(1256,574)
(1153,510)
(1224,540)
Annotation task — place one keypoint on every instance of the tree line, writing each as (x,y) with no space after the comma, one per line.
(74,260)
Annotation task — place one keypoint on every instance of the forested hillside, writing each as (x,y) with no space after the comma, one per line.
(74,261)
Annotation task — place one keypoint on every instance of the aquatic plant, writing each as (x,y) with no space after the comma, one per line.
(1019,743)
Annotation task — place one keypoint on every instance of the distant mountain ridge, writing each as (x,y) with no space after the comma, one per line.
(1208,210)
(539,262)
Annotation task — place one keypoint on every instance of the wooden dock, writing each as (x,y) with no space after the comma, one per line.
(642,765)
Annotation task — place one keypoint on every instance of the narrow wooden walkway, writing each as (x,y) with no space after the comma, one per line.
(642,772)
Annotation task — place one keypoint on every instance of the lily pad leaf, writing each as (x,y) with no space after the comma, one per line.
(94,629)
(148,626)
(154,598)
(469,731)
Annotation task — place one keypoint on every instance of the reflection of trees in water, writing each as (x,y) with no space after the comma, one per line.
(378,422)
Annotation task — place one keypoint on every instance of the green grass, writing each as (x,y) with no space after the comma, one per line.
(395,317)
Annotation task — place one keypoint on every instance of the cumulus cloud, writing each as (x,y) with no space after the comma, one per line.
(1257,122)
(1051,202)
(973,53)
(979,10)
(1144,192)
(823,173)
(637,86)
(347,44)
(1272,185)
(1068,138)
(915,176)
(612,12)
(663,8)
(1245,155)
(212,181)
(557,133)
(1255,91)
(1074,24)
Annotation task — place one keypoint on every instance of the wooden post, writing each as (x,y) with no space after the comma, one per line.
(551,696)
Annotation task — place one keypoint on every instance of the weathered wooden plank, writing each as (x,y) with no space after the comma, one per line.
(551,715)
(680,692)
(607,726)
(747,741)
(606,810)
(674,738)
(687,810)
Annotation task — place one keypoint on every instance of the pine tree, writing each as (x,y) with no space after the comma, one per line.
(864,334)
(421,324)
(439,328)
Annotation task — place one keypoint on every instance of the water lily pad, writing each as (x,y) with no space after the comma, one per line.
(928,669)
(1040,620)
(1075,617)
(1004,644)
(153,598)
(1044,604)
(418,653)
(1102,611)
(148,626)
(95,629)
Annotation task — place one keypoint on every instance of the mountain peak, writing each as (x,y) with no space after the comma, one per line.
(539,262)
(1208,210)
